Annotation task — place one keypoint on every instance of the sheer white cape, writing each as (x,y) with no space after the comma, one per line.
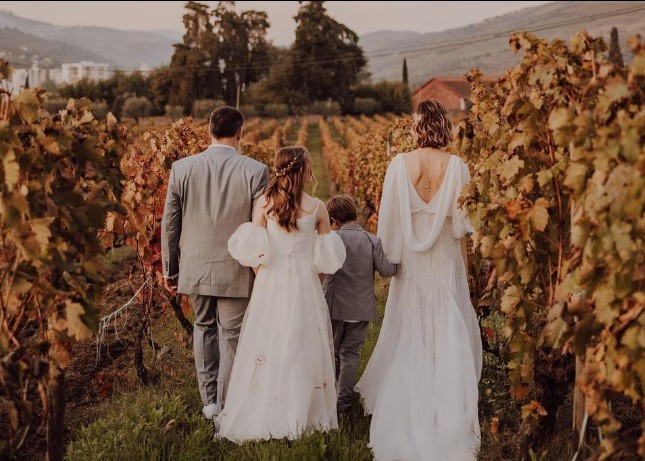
(398,207)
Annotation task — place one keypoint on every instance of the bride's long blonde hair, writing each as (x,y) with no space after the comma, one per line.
(292,169)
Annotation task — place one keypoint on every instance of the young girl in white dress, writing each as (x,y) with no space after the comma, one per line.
(282,382)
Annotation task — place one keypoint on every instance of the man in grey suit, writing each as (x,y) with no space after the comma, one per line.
(209,195)
(350,292)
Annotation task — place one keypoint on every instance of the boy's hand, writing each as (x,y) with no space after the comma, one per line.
(171,285)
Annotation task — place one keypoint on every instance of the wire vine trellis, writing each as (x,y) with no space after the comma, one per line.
(113,318)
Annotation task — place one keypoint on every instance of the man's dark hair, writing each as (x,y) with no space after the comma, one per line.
(226,122)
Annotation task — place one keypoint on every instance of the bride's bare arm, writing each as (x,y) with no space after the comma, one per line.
(323,226)
(259,218)
(259,213)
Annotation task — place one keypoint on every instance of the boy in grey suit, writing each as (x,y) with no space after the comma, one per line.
(209,196)
(350,292)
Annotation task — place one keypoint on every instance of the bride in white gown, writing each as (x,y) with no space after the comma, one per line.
(420,384)
(283,382)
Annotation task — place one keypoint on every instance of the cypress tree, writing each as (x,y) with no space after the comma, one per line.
(615,55)
(405,70)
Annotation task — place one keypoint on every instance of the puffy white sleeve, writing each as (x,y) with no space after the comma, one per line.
(329,253)
(390,228)
(460,221)
(249,245)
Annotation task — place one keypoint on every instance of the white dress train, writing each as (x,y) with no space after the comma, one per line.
(282,382)
(420,384)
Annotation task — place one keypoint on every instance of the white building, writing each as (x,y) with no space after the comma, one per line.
(34,76)
(73,72)
(37,76)
(144,70)
(56,76)
(18,80)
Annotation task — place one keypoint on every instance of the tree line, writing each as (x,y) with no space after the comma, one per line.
(226,58)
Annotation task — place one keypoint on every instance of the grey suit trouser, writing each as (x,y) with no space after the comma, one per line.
(348,339)
(217,330)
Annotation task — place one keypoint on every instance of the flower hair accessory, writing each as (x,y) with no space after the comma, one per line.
(283,171)
(417,117)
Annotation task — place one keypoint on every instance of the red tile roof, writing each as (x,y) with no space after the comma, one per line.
(458,85)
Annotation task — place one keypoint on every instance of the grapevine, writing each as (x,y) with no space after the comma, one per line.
(58,180)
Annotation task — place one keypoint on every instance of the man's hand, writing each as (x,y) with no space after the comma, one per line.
(171,285)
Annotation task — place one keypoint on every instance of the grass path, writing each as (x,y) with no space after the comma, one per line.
(164,421)
(292,136)
(324,189)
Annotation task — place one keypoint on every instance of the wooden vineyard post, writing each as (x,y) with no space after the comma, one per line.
(578,396)
(578,401)
(55,416)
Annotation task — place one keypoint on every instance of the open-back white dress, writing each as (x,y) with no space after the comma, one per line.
(420,384)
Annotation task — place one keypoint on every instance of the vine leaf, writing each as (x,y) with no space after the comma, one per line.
(539,214)
(76,327)
(510,168)
(11,169)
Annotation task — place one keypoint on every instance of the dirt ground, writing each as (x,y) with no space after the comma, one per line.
(95,370)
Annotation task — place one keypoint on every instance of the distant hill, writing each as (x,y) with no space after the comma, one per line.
(122,48)
(428,54)
(386,49)
(20,49)
(175,35)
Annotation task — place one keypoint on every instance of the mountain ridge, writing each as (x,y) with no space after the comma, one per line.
(428,54)
(121,48)
(493,56)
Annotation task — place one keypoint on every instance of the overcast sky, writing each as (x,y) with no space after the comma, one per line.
(362,17)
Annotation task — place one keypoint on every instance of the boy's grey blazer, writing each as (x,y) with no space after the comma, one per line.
(209,196)
(350,291)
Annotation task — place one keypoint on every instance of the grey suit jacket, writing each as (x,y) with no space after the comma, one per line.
(350,291)
(209,196)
